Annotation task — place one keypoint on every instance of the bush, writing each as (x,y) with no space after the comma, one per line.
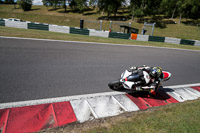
(25,4)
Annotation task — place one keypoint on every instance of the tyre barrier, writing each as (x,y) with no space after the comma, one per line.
(172,40)
(16,23)
(2,22)
(119,35)
(79,31)
(197,43)
(22,118)
(38,26)
(98,33)
(56,28)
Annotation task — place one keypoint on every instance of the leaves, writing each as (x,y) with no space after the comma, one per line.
(110,6)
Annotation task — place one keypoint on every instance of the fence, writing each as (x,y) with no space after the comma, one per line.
(105,25)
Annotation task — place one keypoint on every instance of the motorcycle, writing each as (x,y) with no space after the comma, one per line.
(128,79)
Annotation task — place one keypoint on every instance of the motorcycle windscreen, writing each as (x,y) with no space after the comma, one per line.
(133,78)
(125,74)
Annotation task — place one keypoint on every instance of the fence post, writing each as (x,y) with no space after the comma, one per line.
(110,28)
(101,21)
(153,28)
(81,23)
(129,24)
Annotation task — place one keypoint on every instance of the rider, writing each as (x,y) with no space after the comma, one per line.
(155,75)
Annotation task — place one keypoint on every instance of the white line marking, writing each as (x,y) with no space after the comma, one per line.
(181,86)
(75,97)
(57,99)
(96,43)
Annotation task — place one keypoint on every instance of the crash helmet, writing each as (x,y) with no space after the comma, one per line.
(155,72)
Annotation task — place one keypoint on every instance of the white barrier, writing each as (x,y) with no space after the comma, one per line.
(16,24)
(197,43)
(172,40)
(99,33)
(142,37)
(56,28)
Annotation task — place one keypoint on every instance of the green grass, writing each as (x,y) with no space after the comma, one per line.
(42,15)
(28,33)
(177,118)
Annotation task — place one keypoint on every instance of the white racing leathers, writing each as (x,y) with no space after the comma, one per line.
(138,78)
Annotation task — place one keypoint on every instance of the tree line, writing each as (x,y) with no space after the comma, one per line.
(136,8)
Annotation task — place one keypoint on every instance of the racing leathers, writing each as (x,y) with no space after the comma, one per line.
(153,83)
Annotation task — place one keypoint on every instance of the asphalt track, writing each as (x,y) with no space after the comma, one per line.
(37,69)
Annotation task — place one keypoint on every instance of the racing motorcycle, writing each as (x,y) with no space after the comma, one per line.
(128,79)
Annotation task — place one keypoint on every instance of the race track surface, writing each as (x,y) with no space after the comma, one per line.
(36,69)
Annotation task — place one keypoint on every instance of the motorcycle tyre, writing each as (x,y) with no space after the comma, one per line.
(115,85)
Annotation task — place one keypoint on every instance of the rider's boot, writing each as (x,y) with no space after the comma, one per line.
(152,92)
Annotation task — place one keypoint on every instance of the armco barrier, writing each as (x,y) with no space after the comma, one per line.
(98,33)
(197,43)
(16,24)
(38,26)
(172,40)
(2,22)
(56,28)
(119,35)
(142,37)
(79,31)
(187,42)
(156,39)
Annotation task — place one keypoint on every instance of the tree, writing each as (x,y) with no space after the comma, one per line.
(169,7)
(64,5)
(25,4)
(110,6)
(192,9)
(136,8)
(52,3)
(140,8)
(78,5)
(152,7)
(184,8)
(93,3)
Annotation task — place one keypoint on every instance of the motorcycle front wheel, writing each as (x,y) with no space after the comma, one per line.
(115,85)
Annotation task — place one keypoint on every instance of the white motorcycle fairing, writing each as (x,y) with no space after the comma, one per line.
(128,84)
(129,80)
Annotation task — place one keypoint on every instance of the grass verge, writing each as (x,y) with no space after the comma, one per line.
(172,118)
(177,118)
(28,33)
(43,15)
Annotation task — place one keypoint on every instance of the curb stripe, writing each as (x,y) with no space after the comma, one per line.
(37,117)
